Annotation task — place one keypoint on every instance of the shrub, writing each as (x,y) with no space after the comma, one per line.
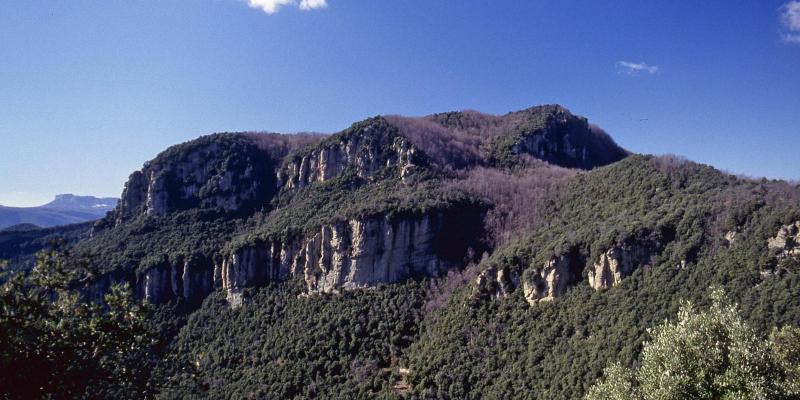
(712,354)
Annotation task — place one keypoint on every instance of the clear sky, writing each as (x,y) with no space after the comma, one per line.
(89,90)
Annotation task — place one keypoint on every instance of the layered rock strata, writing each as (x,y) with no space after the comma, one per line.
(346,255)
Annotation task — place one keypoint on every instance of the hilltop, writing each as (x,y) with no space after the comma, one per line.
(457,255)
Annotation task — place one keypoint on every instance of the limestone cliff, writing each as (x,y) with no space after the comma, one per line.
(552,279)
(191,279)
(618,262)
(539,284)
(231,211)
(786,242)
(496,282)
(350,254)
(366,149)
(355,253)
(222,172)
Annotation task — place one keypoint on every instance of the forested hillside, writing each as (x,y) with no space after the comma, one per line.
(454,256)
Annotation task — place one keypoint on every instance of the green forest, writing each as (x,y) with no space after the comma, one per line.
(712,313)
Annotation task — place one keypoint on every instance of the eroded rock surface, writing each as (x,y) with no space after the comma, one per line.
(496,282)
(241,175)
(731,237)
(200,174)
(617,263)
(553,134)
(367,149)
(350,254)
(552,279)
(191,279)
(356,253)
(786,242)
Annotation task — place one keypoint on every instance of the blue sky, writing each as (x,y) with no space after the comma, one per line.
(89,90)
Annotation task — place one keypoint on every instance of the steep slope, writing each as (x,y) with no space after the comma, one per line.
(639,237)
(354,210)
(663,227)
(458,255)
(368,205)
(177,213)
(549,133)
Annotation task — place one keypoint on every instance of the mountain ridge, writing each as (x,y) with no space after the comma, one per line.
(64,209)
(458,255)
(232,174)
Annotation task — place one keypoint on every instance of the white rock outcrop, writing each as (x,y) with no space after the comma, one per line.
(496,282)
(346,255)
(552,279)
(617,263)
(786,242)
(731,237)
(365,152)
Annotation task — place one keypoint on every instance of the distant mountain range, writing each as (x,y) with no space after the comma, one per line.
(64,209)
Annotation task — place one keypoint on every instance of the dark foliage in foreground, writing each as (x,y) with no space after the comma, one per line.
(55,345)
(711,354)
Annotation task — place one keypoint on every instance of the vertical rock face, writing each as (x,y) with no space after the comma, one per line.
(362,253)
(786,242)
(366,149)
(553,279)
(197,280)
(252,266)
(496,282)
(203,173)
(553,134)
(346,255)
(617,263)
(349,254)
(133,196)
(156,203)
(238,173)
(158,284)
(190,279)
